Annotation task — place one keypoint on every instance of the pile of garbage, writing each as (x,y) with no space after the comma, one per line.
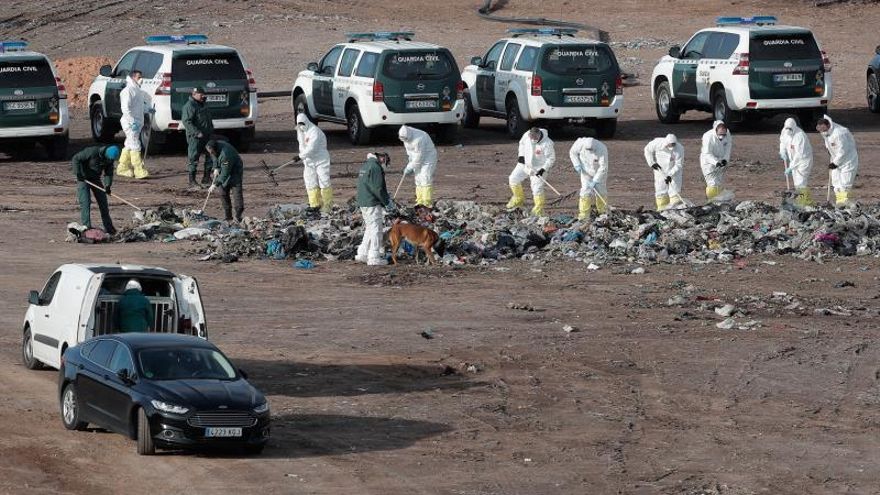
(482,234)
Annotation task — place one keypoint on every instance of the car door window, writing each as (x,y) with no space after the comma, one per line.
(694,49)
(509,55)
(328,63)
(49,290)
(347,64)
(121,360)
(491,60)
(102,353)
(148,63)
(86,349)
(720,45)
(527,59)
(126,64)
(367,65)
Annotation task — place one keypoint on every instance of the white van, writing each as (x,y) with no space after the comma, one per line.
(79,301)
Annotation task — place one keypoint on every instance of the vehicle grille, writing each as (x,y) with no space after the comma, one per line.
(221,418)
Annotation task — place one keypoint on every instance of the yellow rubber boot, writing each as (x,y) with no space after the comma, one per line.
(841,198)
(803,198)
(137,164)
(327,198)
(427,195)
(518,198)
(314,198)
(538,208)
(712,192)
(662,202)
(418,195)
(584,207)
(674,200)
(600,205)
(123,168)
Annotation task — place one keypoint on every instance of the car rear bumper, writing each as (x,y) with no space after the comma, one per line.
(540,110)
(740,100)
(380,115)
(37,131)
(174,432)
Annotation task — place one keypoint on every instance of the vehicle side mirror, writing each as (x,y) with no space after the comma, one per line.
(106,71)
(478,61)
(877,50)
(34,298)
(675,52)
(124,375)
(242,373)
(491,65)
(313,66)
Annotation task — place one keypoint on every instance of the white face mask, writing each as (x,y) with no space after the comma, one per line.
(301,127)
(722,136)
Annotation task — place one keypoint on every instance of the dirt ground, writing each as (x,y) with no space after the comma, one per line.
(645,398)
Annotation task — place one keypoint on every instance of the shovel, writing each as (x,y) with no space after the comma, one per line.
(270,172)
(121,199)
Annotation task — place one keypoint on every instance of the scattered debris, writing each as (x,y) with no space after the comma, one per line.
(570,329)
(523,307)
(727,324)
(427,334)
(726,311)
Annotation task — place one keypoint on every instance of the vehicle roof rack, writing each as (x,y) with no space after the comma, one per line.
(13,46)
(180,39)
(757,20)
(381,36)
(546,31)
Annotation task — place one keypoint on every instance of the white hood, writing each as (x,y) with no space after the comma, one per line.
(405,133)
(302,119)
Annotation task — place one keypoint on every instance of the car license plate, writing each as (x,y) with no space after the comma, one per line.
(419,104)
(580,99)
(20,105)
(222,432)
(789,79)
(215,98)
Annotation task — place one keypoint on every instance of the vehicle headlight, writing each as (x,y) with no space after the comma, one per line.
(169,408)
(262,408)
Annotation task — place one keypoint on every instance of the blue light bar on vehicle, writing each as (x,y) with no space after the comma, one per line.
(545,31)
(183,39)
(758,20)
(380,36)
(13,46)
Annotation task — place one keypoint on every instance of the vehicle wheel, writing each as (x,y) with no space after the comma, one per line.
(446,133)
(358,134)
(242,139)
(254,449)
(27,351)
(471,119)
(516,125)
(720,109)
(70,409)
(102,129)
(873,88)
(605,128)
(145,436)
(301,105)
(809,117)
(667,110)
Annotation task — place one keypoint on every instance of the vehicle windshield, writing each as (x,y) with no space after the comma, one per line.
(28,72)
(779,46)
(576,59)
(182,363)
(422,64)
(207,66)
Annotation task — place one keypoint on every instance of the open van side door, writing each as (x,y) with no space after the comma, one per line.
(191,313)
(86,326)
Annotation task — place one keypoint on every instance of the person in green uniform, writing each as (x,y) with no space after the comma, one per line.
(95,164)
(228,172)
(197,123)
(373,199)
(134,312)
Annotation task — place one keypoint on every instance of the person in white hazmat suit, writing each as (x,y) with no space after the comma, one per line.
(590,159)
(666,157)
(134,102)
(714,156)
(537,155)
(422,161)
(316,163)
(844,158)
(797,154)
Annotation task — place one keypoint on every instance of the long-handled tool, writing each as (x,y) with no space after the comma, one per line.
(828,192)
(787,178)
(403,176)
(548,184)
(599,195)
(210,190)
(136,207)
(270,172)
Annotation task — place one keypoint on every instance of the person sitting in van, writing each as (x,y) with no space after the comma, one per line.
(134,312)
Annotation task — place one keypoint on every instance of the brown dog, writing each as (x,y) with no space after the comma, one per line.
(418,236)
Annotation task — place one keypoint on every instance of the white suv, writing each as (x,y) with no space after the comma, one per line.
(79,301)
(172,66)
(545,74)
(382,79)
(744,68)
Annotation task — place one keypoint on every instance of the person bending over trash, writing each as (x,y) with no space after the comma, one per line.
(422,161)
(665,156)
(537,155)
(844,164)
(797,155)
(373,199)
(316,163)
(228,171)
(95,164)
(590,159)
(714,157)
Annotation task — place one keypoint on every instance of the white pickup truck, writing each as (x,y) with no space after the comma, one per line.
(79,301)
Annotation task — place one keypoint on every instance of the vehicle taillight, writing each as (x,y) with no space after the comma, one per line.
(826,61)
(459,88)
(742,68)
(62,91)
(537,85)
(378,91)
(618,85)
(164,87)
(252,83)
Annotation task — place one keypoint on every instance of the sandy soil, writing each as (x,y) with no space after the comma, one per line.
(646,398)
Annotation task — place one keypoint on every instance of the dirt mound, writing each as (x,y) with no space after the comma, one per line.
(78,74)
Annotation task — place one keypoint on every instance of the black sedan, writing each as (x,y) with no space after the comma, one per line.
(163,390)
(873,82)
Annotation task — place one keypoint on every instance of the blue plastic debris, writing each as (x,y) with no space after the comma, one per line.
(303,264)
(273,248)
(651,238)
(573,236)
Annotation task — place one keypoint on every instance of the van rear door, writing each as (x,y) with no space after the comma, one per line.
(785,65)
(190,312)
(86,327)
